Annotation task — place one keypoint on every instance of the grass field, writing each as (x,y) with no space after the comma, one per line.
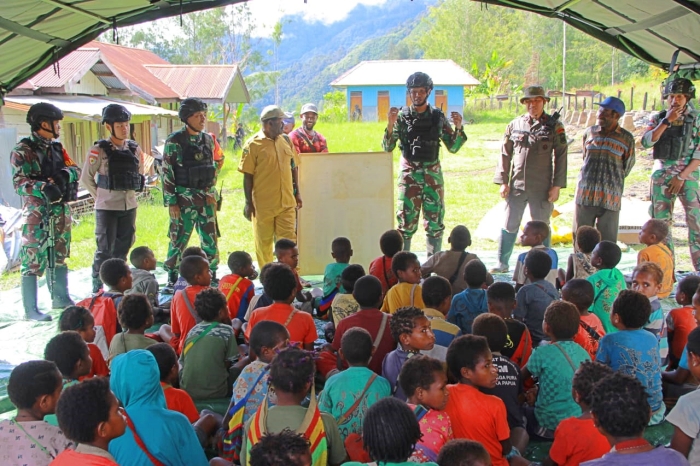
(470,192)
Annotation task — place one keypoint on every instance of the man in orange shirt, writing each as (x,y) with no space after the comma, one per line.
(280,285)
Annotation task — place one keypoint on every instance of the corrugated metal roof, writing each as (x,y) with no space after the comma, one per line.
(208,82)
(71,67)
(395,72)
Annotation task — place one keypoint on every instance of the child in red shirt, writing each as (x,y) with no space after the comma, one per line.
(580,293)
(475,415)
(287,252)
(390,243)
(280,285)
(236,286)
(681,321)
(577,439)
(79,319)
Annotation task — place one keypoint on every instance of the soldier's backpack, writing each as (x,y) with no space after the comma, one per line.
(103,310)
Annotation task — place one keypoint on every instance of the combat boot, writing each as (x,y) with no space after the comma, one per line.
(407,244)
(433,245)
(96,285)
(61,298)
(505,250)
(30,298)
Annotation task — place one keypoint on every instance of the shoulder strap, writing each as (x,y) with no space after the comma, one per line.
(568,358)
(289,319)
(589,330)
(302,134)
(189,305)
(455,275)
(233,288)
(139,442)
(189,345)
(356,404)
(420,412)
(413,294)
(380,333)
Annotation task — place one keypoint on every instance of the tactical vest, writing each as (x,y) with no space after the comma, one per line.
(52,164)
(197,169)
(122,168)
(423,136)
(674,142)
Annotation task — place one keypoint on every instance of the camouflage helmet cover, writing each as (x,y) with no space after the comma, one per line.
(679,86)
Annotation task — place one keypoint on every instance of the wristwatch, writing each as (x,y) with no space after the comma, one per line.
(666,122)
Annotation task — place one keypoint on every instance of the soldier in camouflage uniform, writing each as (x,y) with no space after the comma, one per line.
(189,176)
(674,135)
(419,130)
(531,170)
(46,178)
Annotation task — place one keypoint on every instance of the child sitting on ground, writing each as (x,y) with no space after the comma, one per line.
(653,235)
(553,366)
(89,414)
(143,281)
(237,286)
(509,386)
(424,382)
(607,281)
(534,235)
(684,415)
(79,319)
(471,302)
(341,250)
(287,252)
(437,296)
(368,294)
(462,452)
(292,376)
(209,349)
(470,362)
(620,411)
(407,292)
(452,264)
(579,292)
(135,316)
(646,279)
(411,329)
(389,433)
(281,285)
(262,299)
(195,270)
(266,340)
(72,357)
(287,448)
(205,423)
(348,394)
(344,304)
(532,299)
(34,388)
(579,264)
(390,243)
(681,321)
(189,251)
(576,439)
(501,301)
(633,350)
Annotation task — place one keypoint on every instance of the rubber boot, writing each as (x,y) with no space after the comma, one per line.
(214,280)
(96,285)
(407,244)
(61,298)
(172,278)
(505,249)
(29,299)
(434,245)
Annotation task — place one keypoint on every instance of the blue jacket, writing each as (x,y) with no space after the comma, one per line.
(466,306)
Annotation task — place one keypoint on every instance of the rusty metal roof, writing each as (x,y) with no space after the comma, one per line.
(72,67)
(211,83)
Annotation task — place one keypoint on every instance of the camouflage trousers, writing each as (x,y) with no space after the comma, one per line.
(204,219)
(662,207)
(421,187)
(35,238)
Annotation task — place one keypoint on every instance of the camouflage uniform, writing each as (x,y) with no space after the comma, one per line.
(421,183)
(197,207)
(26,168)
(664,171)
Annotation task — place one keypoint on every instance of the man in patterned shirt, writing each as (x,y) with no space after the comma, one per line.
(674,135)
(189,177)
(305,139)
(608,157)
(419,129)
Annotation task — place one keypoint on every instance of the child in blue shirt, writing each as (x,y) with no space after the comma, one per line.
(341,250)
(532,299)
(534,235)
(647,278)
(633,350)
(468,304)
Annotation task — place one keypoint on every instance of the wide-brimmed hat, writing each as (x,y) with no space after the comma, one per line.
(270,112)
(532,92)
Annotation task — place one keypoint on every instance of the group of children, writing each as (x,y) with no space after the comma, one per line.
(449,369)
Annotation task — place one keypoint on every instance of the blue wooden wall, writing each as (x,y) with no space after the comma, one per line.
(397,98)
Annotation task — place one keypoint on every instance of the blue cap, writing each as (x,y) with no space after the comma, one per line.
(614,104)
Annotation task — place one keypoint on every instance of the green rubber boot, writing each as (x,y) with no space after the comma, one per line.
(96,284)
(433,245)
(61,298)
(29,299)
(505,250)
(407,244)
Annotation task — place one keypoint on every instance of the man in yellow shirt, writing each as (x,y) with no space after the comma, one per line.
(270,182)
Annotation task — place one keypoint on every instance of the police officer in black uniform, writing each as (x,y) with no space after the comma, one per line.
(112,175)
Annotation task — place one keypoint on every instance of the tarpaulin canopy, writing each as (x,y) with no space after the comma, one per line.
(651,30)
(36,33)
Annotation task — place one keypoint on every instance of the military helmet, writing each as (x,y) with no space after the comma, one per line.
(680,86)
(43,111)
(115,113)
(189,107)
(419,79)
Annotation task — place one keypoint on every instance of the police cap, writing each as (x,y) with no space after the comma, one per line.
(115,113)
(189,107)
(419,79)
(43,111)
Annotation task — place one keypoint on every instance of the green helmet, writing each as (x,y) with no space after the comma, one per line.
(680,86)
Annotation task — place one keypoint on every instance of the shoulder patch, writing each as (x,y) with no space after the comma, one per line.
(92,158)
(560,130)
